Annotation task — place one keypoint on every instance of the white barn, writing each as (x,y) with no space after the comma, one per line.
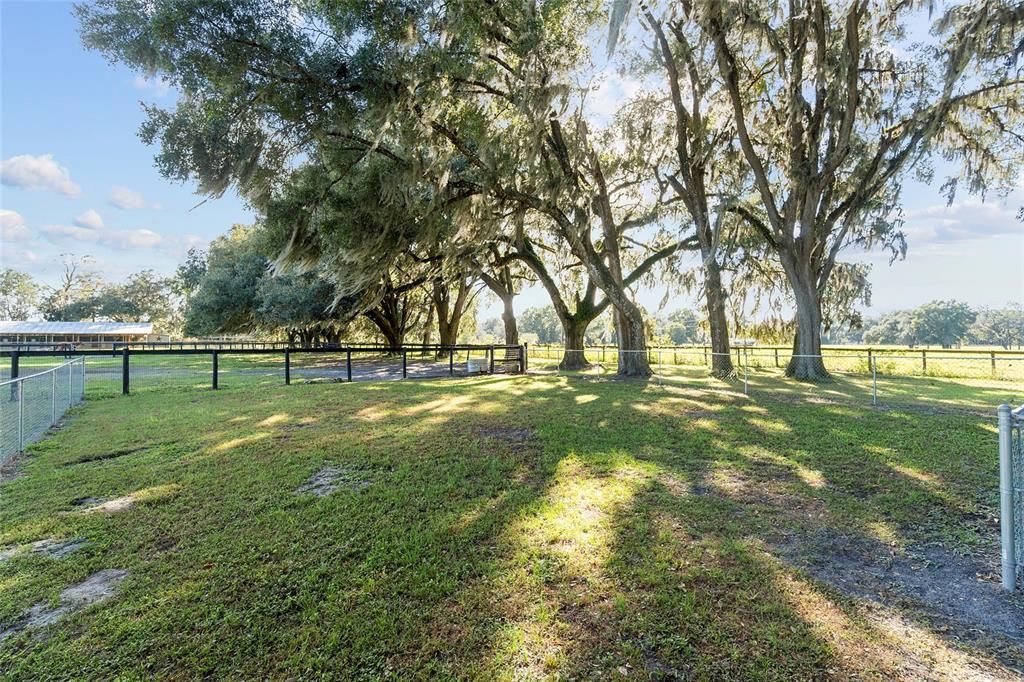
(12,332)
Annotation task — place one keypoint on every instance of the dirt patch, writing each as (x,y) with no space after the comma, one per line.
(49,547)
(11,467)
(58,548)
(92,505)
(332,477)
(106,455)
(509,434)
(98,587)
(958,590)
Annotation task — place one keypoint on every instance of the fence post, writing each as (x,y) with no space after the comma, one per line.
(526,356)
(924,362)
(287,367)
(745,387)
(491,351)
(71,383)
(125,371)
(53,398)
(1006,498)
(21,414)
(348,363)
(215,370)
(705,355)
(776,357)
(14,373)
(451,361)
(874,380)
(993,364)
(405,365)
(522,359)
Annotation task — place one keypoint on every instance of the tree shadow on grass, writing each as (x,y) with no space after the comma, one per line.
(640,528)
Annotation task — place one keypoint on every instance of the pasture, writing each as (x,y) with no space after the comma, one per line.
(510,527)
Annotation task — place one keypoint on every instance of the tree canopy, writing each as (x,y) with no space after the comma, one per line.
(406,152)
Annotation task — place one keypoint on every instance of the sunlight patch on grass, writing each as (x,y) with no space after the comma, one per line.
(913,473)
(563,547)
(443,405)
(241,441)
(770,425)
(811,477)
(374,413)
(884,532)
(274,419)
(574,521)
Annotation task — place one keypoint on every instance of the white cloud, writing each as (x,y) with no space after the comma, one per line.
(12,226)
(612,91)
(116,239)
(127,200)
(21,257)
(155,84)
(91,219)
(969,219)
(38,172)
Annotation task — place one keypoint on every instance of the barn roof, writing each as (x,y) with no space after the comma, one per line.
(87,328)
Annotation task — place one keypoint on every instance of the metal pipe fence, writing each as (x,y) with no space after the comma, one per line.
(126,370)
(31,404)
(1011,494)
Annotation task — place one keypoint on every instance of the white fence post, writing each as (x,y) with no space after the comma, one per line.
(53,398)
(21,415)
(1006,506)
(874,381)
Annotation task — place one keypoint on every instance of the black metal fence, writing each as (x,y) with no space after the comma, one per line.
(128,368)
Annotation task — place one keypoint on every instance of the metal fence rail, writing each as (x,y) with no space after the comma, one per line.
(1011,494)
(126,370)
(30,405)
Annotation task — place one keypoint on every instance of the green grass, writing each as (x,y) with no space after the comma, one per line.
(635,534)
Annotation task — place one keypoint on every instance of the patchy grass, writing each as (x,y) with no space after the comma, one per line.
(519,527)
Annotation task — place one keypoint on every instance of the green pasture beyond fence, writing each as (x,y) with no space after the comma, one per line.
(934,362)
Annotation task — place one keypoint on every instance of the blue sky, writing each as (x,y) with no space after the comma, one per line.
(78,180)
(63,102)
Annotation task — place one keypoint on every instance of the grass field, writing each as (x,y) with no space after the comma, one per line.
(515,527)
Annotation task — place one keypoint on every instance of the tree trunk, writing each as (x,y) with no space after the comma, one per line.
(633,361)
(393,337)
(392,330)
(806,363)
(449,311)
(574,357)
(508,317)
(428,330)
(714,295)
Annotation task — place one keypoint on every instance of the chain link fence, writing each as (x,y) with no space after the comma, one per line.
(31,404)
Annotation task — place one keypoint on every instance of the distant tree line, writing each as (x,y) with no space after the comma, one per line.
(82,294)
(948,324)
